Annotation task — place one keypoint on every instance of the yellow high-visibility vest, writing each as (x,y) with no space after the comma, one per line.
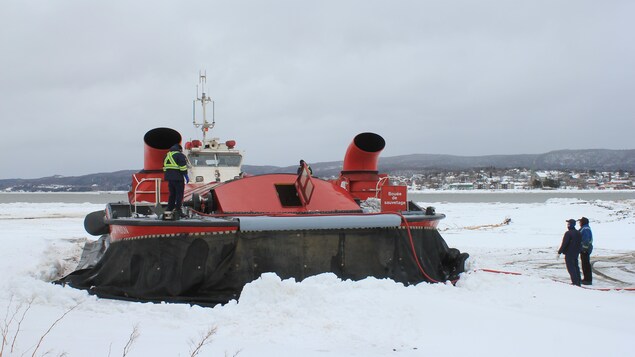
(170,164)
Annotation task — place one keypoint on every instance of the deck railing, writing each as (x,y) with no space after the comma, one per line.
(156,191)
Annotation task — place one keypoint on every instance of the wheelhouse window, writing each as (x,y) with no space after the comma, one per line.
(228,160)
(215,159)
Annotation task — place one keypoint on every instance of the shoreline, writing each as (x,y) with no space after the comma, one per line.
(514,191)
(419,196)
(428,191)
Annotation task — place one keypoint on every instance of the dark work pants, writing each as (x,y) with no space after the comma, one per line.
(573,268)
(586,267)
(175,199)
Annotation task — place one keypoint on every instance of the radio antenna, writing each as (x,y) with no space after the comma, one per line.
(202,97)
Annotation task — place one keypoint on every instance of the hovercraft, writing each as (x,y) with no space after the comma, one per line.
(236,227)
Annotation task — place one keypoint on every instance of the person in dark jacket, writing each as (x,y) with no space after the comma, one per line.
(301,167)
(571,244)
(175,173)
(587,248)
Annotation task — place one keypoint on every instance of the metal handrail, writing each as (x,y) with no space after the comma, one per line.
(156,191)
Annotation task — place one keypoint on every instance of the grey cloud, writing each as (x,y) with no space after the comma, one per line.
(83,81)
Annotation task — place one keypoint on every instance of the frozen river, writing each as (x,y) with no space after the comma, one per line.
(534,196)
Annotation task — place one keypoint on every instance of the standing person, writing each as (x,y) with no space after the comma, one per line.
(175,168)
(302,164)
(587,248)
(571,243)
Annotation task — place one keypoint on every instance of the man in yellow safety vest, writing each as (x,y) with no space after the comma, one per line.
(175,172)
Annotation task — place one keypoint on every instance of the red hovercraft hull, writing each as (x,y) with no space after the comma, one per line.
(293,225)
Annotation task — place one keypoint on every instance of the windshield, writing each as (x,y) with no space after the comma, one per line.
(215,159)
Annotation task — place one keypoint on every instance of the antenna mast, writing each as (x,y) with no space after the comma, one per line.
(204,99)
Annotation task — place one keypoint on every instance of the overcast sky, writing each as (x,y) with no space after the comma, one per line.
(81,82)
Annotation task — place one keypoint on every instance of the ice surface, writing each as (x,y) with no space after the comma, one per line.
(536,313)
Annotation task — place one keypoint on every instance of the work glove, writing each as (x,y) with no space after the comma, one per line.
(187,178)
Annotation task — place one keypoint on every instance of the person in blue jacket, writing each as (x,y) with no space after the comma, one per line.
(587,248)
(175,172)
(571,244)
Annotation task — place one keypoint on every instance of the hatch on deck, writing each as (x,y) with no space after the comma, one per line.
(288,195)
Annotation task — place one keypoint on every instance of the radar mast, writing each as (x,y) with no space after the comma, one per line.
(202,97)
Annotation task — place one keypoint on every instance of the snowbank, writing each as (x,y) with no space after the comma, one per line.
(536,313)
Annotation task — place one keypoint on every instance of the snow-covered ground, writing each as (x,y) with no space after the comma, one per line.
(485,314)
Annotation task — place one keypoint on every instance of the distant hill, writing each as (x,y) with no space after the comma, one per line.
(593,159)
(105,181)
(580,160)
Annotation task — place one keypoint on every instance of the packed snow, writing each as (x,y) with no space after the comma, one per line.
(535,313)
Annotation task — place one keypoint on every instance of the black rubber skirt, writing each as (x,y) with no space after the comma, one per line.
(212,269)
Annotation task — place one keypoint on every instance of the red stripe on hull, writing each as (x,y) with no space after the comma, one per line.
(422,224)
(123,232)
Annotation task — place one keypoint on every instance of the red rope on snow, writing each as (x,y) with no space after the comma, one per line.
(583,286)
